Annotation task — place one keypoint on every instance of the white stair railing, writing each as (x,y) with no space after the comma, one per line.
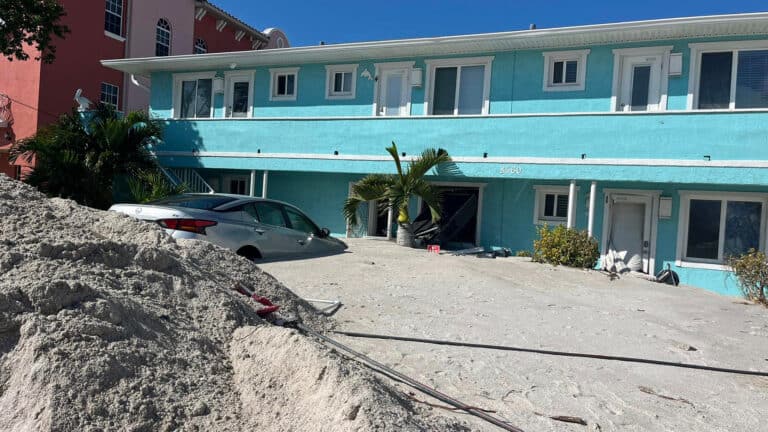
(188,177)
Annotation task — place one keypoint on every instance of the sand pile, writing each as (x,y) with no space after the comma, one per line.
(106,323)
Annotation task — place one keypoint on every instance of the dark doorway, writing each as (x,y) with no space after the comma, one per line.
(458,225)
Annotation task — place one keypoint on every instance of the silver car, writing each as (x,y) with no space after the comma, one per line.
(255,228)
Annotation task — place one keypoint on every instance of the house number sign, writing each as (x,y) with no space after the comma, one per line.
(510,170)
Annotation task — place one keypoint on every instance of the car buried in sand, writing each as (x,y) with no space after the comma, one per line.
(255,228)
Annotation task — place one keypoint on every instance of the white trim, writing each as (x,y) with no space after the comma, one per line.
(618,59)
(114,36)
(697,49)
(647,195)
(488,160)
(378,69)
(117,94)
(273,73)
(550,57)
(330,72)
(177,80)
(229,77)
(458,63)
(724,197)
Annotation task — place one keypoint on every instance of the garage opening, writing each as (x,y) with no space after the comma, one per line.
(457,228)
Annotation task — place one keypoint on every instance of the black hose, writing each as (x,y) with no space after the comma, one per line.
(411,382)
(554,353)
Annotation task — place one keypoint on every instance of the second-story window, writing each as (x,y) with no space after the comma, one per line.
(109,94)
(193,95)
(732,79)
(113,17)
(459,86)
(565,70)
(200,46)
(283,84)
(340,81)
(163,38)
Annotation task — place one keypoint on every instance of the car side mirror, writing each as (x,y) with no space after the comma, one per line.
(325,232)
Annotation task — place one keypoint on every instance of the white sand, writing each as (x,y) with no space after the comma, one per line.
(392,290)
(108,324)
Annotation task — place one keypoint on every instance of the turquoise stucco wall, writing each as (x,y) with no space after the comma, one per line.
(516,86)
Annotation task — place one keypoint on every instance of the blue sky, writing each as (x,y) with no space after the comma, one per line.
(311,21)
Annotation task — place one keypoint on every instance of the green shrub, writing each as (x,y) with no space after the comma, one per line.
(751,270)
(565,246)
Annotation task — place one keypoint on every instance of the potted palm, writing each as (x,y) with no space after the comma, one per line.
(395,190)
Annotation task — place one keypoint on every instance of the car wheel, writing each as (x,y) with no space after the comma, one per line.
(250,253)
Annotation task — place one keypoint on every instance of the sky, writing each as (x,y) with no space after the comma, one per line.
(308,22)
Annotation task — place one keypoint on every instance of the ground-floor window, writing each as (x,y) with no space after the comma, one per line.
(714,227)
(551,205)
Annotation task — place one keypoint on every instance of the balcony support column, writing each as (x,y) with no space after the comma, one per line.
(264,181)
(252,191)
(389,223)
(591,217)
(571,205)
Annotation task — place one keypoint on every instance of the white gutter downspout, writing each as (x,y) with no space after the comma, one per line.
(591,218)
(571,205)
(138,84)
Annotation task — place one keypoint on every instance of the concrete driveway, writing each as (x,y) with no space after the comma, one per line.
(512,301)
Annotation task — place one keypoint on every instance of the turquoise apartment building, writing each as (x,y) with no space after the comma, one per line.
(651,135)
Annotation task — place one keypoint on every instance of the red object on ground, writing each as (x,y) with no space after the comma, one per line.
(433,248)
(270,307)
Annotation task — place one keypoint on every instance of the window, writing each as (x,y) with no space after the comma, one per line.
(113,17)
(109,94)
(200,46)
(730,77)
(283,84)
(716,226)
(163,38)
(299,222)
(270,214)
(193,95)
(340,81)
(459,86)
(551,205)
(565,70)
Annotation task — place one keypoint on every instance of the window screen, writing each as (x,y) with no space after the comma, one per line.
(752,80)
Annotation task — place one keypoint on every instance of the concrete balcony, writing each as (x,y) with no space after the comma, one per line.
(696,147)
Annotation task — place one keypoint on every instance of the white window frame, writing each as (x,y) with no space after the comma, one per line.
(432,65)
(177,80)
(379,69)
(229,76)
(579,56)
(274,74)
(618,62)
(697,49)
(170,36)
(117,94)
(119,35)
(681,260)
(203,48)
(538,204)
(330,77)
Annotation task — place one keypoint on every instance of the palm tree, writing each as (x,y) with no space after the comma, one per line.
(395,190)
(80,155)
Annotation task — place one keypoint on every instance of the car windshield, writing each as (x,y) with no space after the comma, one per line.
(193,201)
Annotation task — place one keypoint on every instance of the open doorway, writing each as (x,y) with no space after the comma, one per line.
(459,225)
(377,220)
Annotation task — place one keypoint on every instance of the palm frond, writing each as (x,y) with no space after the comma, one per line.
(351,205)
(429,159)
(392,150)
(431,196)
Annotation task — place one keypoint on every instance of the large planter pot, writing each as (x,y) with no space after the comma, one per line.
(404,235)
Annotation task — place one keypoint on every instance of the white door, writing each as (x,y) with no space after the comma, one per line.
(393,93)
(630,232)
(238,103)
(641,83)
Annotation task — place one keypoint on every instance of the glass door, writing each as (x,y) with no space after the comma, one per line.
(393,93)
(641,83)
(238,97)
